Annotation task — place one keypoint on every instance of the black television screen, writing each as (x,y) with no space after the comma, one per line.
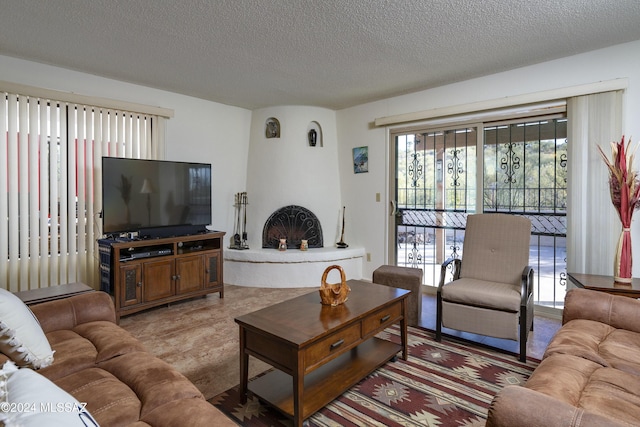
(138,194)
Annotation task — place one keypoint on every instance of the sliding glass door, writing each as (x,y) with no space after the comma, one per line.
(435,188)
(514,167)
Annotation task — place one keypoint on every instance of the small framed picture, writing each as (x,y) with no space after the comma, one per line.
(360,159)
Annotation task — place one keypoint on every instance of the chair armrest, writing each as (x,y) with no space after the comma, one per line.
(443,270)
(617,311)
(69,312)
(522,407)
(526,285)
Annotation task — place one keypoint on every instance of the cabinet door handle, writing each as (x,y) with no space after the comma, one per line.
(139,284)
(337,344)
(385,318)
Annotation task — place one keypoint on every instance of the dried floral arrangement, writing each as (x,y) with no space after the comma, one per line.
(624,187)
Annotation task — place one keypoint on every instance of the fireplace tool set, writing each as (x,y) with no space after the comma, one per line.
(239,239)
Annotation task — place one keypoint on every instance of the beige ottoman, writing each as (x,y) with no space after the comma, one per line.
(403,278)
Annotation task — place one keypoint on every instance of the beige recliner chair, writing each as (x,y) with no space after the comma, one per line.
(492,288)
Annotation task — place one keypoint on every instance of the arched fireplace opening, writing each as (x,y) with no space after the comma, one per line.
(294,223)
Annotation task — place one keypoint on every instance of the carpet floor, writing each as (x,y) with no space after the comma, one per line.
(441,384)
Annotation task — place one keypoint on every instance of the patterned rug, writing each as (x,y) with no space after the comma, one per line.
(441,384)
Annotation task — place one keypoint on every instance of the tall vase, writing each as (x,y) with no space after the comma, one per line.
(623,260)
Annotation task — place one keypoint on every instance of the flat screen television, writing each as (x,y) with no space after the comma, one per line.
(146,194)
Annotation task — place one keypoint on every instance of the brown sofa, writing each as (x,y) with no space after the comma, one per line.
(589,374)
(99,363)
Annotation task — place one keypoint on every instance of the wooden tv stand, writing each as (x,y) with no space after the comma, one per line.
(148,273)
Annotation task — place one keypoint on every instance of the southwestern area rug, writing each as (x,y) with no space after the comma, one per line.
(441,384)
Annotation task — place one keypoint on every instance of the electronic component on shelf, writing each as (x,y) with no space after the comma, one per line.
(145,254)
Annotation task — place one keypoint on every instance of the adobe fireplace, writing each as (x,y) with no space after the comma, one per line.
(293,268)
(294,223)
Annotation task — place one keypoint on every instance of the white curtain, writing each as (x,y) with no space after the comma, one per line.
(51,153)
(593,226)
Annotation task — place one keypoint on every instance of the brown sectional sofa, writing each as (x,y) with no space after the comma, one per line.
(99,363)
(589,374)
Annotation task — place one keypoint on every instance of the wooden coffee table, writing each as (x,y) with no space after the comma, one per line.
(319,351)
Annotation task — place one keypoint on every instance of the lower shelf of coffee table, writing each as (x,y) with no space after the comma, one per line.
(328,381)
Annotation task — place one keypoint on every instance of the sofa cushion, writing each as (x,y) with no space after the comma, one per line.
(109,339)
(33,400)
(154,381)
(73,353)
(585,384)
(108,399)
(593,366)
(562,377)
(21,337)
(600,343)
(614,394)
(199,410)
(86,345)
(580,338)
(68,313)
(621,350)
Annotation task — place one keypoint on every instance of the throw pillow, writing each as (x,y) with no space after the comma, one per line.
(28,399)
(21,337)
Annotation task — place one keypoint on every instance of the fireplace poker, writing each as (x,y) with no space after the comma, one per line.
(236,236)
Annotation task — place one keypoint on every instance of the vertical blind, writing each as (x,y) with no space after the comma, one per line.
(592,223)
(51,156)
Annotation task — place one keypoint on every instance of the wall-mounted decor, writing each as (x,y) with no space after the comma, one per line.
(313,137)
(314,134)
(360,159)
(272,128)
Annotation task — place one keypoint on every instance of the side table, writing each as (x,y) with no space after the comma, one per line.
(605,284)
(36,296)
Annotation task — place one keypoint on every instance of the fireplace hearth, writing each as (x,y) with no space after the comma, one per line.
(294,223)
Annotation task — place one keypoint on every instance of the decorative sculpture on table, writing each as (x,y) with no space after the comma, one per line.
(337,293)
(624,187)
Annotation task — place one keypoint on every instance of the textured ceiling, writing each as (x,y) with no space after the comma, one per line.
(329,53)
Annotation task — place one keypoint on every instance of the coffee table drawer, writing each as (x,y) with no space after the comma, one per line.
(381,319)
(332,345)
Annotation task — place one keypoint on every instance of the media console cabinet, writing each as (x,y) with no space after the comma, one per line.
(140,274)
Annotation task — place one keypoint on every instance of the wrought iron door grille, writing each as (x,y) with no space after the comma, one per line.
(525,173)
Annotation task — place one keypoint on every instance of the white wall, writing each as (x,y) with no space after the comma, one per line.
(287,171)
(220,134)
(367,219)
(200,131)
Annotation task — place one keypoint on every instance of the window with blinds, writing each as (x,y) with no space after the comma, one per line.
(50,212)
